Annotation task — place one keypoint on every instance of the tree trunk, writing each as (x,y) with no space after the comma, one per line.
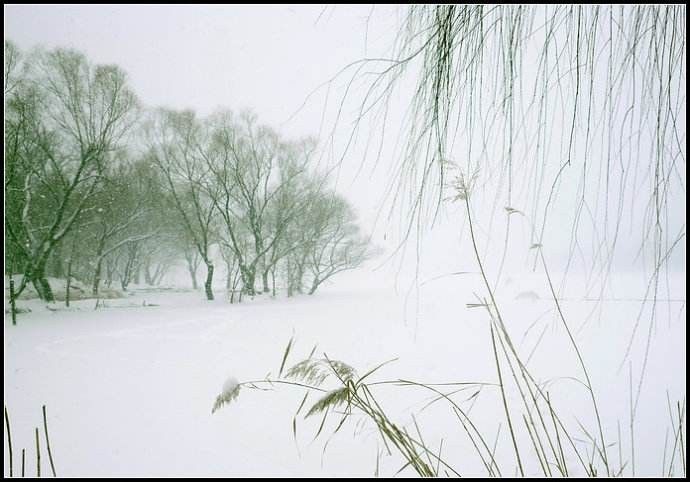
(13,308)
(314,285)
(264,279)
(69,281)
(58,268)
(299,278)
(99,261)
(235,281)
(132,264)
(248,278)
(43,287)
(147,274)
(38,278)
(126,277)
(209,280)
(192,274)
(109,271)
(97,276)
(160,272)
(290,279)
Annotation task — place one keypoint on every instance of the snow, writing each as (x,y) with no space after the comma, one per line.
(129,387)
(78,290)
(230,385)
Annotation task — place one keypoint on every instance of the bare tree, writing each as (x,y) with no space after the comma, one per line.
(192,258)
(121,221)
(176,145)
(12,62)
(337,244)
(291,202)
(66,118)
(243,163)
(232,273)
(129,263)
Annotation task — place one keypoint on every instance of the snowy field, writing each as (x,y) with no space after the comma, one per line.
(129,387)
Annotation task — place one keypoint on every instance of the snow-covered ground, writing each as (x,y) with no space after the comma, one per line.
(129,387)
(78,290)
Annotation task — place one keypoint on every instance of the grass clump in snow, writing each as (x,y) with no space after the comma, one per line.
(349,396)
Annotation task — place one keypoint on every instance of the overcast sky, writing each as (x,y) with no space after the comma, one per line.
(268,58)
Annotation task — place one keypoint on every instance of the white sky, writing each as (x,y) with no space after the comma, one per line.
(267,58)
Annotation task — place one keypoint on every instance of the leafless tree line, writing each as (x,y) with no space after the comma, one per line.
(101,189)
